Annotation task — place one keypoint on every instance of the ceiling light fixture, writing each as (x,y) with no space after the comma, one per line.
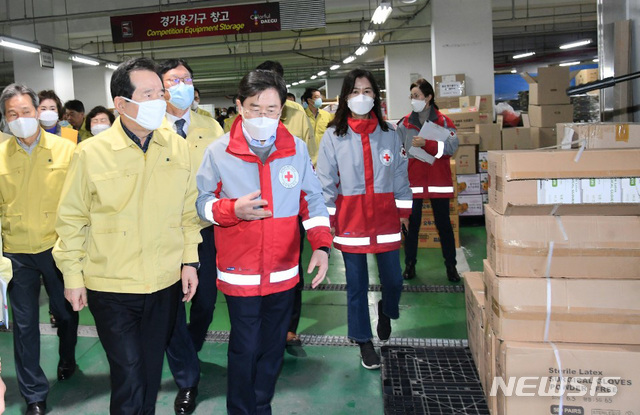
(368,37)
(321,73)
(111,66)
(86,61)
(302,82)
(382,12)
(294,84)
(313,76)
(288,85)
(513,71)
(19,45)
(349,59)
(361,50)
(334,67)
(570,63)
(596,60)
(523,55)
(575,44)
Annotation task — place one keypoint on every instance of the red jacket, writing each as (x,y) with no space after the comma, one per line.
(430,181)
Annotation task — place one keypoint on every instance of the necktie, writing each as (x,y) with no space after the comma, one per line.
(179,128)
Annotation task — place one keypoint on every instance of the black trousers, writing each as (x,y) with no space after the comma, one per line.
(24,293)
(297,297)
(443,224)
(134,330)
(256,350)
(187,339)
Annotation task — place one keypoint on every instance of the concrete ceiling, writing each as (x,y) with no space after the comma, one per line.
(82,26)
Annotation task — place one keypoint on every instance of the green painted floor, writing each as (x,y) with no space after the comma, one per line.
(314,379)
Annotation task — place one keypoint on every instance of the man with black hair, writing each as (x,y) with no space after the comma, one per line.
(187,340)
(129,234)
(196,102)
(74,113)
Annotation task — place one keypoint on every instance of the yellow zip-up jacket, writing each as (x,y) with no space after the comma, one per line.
(30,187)
(204,112)
(294,118)
(203,131)
(127,220)
(319,123)
(228,122)
(6,270)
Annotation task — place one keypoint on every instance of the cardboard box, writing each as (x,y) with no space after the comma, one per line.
(490,136)
(484,185)
(517,179)
(429,224)
(578,310)
(550,115)
(543,137)
(486,104)
(584,246)
(465,158)
(485,117)
(585,76)
(490,353)
(464,119)
(469,184)
(449,85)
(470,205)
(448,102)
(471,138)
(483,161)
(549,86)
(516,138)
(474,300)
(598,135)
(485,198)
(519,359)
(432,239)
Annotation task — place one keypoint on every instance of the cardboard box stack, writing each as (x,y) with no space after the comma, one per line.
(548,103)
(560,282)
(428,236)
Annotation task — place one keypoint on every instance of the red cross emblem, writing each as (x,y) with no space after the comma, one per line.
(386,157)
(288,176)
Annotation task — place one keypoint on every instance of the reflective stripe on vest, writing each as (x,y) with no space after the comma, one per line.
(254,279)
(385,239)
(417,189)
(316,221)
(440,189)
(404,204)
(343,240)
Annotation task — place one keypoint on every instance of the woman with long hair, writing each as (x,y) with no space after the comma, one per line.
(429,179)
(363,170)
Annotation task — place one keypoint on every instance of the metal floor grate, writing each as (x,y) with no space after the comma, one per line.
(431,380)
(406,288)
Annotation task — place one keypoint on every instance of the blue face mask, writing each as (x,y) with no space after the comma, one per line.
(317,103)
(181,96)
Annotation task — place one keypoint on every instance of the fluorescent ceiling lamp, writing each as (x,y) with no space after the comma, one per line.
(381,13)
(334,67)
(322,73)
(288,85)
(361,50)
(570,63)
(575,44)
(111,66)
(349,59)
(368,37)
(19,45)
(86,61)
(313,76)
(513,71)
(596,60)
(523,55)
(302,82)
(408,1)
(294,84)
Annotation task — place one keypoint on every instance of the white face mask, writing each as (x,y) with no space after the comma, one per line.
(24,127)
(150,113)
(48,118)
(261,128)
(98,128)
(361,104)
(418,104)
(194,105)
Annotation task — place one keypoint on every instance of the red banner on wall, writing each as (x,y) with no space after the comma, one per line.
(210,21)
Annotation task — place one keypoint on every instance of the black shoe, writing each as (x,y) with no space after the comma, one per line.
(52,320)
(452,274)
(384,324)
(36,408)
(409,272)
(185,402)
(370,359)
(66,369)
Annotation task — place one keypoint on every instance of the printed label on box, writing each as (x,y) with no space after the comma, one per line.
(484,183)
(602,190)
(483,161)
(559,191)
(470,205)
(630,189)
(451,89)
(468,184)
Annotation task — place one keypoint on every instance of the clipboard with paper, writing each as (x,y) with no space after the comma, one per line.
(430,131)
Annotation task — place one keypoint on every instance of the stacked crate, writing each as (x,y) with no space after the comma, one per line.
(561,281)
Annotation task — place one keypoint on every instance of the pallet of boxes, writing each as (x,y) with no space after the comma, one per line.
(467,113)
(559,330)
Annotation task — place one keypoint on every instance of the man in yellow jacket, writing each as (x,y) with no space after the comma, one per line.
(129,234)
(319,118)
(187,340)
(33,165)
